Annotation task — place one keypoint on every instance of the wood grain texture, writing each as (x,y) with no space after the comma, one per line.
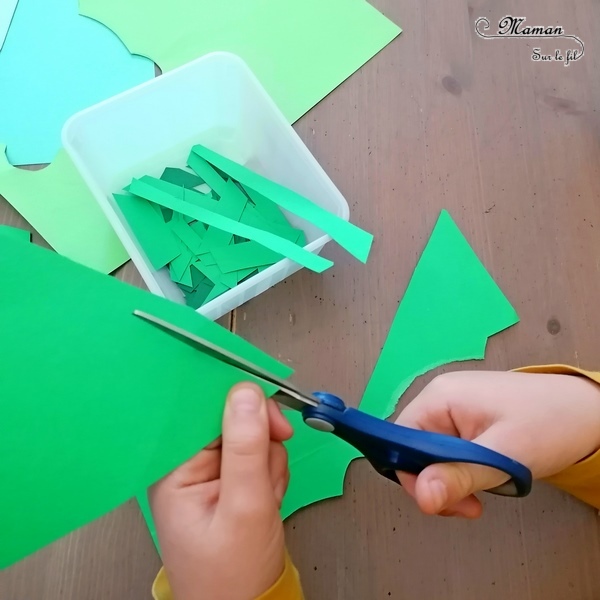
(439,119)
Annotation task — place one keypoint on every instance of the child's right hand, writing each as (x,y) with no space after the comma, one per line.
(547,422)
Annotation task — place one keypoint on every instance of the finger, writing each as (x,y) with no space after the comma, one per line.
(450,487)
(203,467)
(280,428)
(245,479)
(278,469)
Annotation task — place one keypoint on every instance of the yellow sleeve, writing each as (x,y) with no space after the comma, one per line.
(582,480)
(287,586)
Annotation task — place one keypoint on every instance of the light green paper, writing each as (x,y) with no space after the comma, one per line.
(350,237)
(115,402)
(148,226)
(275,243)
(300,50)
(247,255)
(449,310)
(15,233)
(58,205)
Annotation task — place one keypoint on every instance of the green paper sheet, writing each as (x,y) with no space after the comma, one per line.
(148,226)
(247,255)
(115,402)
(449,310)
(275,243)
(300,50)
(57,204)
(15,233)
(350,237)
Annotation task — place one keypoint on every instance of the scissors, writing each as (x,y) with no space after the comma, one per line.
(387,446)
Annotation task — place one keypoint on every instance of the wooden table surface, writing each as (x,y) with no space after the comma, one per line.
(511,147)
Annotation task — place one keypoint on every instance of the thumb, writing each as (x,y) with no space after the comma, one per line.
(448,488)
(245,480)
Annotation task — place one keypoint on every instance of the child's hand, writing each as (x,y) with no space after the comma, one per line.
(217,516)
(546,422)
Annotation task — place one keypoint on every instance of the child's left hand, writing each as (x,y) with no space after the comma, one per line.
(217,516)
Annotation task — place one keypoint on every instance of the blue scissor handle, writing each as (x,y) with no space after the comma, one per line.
(390,448)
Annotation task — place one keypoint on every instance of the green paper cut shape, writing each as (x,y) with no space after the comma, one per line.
(449,310)
(244,274)
(58,205)
(214,178)
(181,178)
(244,256)
(180,265)
(186,234)
(464,307)
(110,437)
(252,217)
(267,208)
(300,50)
(353,239)
(15,233)
(220,288)
(275,243)
(148,226)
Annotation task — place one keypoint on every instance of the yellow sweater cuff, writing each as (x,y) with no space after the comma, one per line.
(582,480)
(287,586)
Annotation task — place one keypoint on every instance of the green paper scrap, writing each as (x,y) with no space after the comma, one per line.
(211,176)
(220,288)
(144,504)
(57,203)
(181,264)
(15,233)
(181,178)
(244,274)
(107,395)
(185,233)
(275,243)
(247,255)
(267,208)
(300,50)
(449,310)
(149,228)
(350,237)
(252,217)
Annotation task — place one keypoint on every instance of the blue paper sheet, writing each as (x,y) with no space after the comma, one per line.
(53,64)
(7,10)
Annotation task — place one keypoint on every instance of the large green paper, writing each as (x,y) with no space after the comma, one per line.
(57,203)
(209,217)
(352,238)
(95,403)
(449,310)
(300,50)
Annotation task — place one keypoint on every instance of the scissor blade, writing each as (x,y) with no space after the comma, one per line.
(288,394)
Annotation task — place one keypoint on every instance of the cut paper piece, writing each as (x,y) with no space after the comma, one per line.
(318,463)
(7,11)
(144,505)
(449,310)
(300,50)
(55,63)
(182,178)
(149,228)
(107,395)
(15,233)
(58,205)
(350,237)
(247,255)
(275,243)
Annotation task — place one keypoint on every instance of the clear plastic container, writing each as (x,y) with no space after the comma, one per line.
(216,101)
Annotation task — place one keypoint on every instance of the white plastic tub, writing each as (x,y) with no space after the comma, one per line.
(216,101)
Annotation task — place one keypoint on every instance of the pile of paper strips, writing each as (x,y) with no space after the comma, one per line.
(220,223)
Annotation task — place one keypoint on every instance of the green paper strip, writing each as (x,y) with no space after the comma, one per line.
(15,233)
(247,255)
(449,310)
(267,208)
(181,178)
(219,289)
(275,243)
(211,176)
(150,230)
(108,396)
(58,205)
(252,217)
(349,236)
(186,234)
